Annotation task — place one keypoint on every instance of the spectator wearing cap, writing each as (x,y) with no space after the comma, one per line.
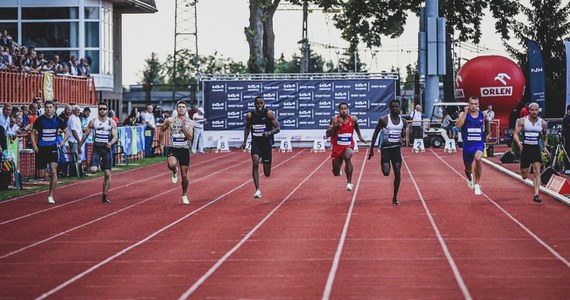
(198,140)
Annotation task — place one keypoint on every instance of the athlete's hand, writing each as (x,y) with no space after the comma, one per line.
(242,146)
(466,108)
(545,150)
(520,146)
(371,153)
(161,148)
(362,139)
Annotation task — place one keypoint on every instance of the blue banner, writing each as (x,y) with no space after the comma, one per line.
(537,81)
(567,44)
(298,104)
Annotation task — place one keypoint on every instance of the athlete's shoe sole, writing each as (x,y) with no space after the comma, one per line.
(51,200)
(477,189)
(257,194)
(395,202)
(349,187)
(185,200)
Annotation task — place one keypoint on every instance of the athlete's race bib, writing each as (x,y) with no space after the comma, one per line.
(101,136)
(344,139)
(474,134)
(179,140)
(258,129)
(531,138)
(48,135)
(394,136)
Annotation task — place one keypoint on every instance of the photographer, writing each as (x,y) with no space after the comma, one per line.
(566,138)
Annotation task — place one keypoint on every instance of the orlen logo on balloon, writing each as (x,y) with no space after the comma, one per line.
(498,91)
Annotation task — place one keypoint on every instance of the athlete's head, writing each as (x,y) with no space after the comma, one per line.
(259,104)
(394,106)
(49,108)
(102,108)
(473,104)
(343,109)
(181,108)
(533,109)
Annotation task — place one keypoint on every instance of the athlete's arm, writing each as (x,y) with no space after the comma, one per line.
(545,137)
(163,128)
(246,129)
(357,129)
(461,119)
(65,137)
(86,134)
(381,124)
(276,129)
(188,130)
(518,129)
(115,134)
(333,124)
(487,125)
(33,139)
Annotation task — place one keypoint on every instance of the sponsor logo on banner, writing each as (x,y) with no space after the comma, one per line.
(363,122)
(307,122)
(378,86)
(236,124)
(361,104)
(234,97)
(291,104)
(341,95)
(283,113)
(234,115)
(250,105)
(309,104)
(324,122)
(275,87)
(254,87)
(341,86)
(325,104)
(459,93)
(233,88)
(218,88)
(324,113)
(219,106)
(361,86)
(307,86)
(236,106)
(325,86)
(497,91)
(290,123)
(290,87)
(219,124)
(270,96)
(306,96)
(308,113)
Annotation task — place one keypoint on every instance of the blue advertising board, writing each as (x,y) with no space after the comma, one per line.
(300,104)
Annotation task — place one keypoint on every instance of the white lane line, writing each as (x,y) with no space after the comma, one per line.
(107,215)
(520,224)
(213,269)
(442,243)
(109,259)
(88,180)
(96,194)
(330,280)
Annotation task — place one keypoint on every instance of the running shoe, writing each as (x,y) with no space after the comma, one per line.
(470,184)
(477,189)
(50,200)
(105,200)
(185,200)
(257,194)
(536,199)
(395,202)
(349,187)
(175,176)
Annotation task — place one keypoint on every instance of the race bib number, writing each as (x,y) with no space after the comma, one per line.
(101,136)
(474,134)
(258,129)
(178,140)
(531,138)
(344,139)
(48,135)
(394,136)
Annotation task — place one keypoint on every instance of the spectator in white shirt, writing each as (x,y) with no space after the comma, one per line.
(198,140)
(75,136)
(490,113)
(5,119)
(417,132)
(148,119)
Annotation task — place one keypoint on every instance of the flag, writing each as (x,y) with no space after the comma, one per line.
(537,81)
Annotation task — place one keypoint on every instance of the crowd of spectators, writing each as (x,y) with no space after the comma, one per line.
(15,57)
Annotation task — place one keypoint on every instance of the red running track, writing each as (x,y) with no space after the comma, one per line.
(306,238)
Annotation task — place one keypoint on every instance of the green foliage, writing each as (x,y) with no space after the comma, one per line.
(548,26)
(317,64)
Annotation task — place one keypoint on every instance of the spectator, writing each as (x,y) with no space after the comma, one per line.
(33,114)
(198,138)
(65,113)
(5,119)
(113,116)
(83,68)
(38,101)
(133,119)
(159,116)
(25,112)
(416,115)
(490,113)
(524,111)
(72,65)
(149,130)
(5,39)
(84,117)
(56,63)
(75,135)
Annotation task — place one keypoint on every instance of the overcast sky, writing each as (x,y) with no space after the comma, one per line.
(221,24)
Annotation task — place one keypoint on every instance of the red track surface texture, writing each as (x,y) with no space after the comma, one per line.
(307,238)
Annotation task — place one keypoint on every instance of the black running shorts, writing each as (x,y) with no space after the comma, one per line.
(46,155)
(101,156)
(529,155)
(182,155)
(263,150)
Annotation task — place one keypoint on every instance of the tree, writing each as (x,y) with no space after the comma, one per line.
(549,28)
(151,76)
(316,64)
(260,36)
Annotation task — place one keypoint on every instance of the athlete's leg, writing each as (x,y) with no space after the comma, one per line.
(53,178)
(267,169)
(172,162)
(106,182)
(536,179)
(255,170)
(184,174)
(336,165)
(478,166)
(397,179)
(347,157)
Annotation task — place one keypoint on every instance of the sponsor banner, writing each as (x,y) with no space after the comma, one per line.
(537,80)
(301,104)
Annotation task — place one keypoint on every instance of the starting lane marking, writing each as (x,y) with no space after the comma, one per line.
(108,215)
(213,269)
(336,260)
(152,235)
(442,243)
(92,195)
(519,223)
(89,180)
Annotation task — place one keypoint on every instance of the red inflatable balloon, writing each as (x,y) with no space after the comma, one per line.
(495,80)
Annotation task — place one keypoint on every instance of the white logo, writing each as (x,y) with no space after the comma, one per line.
(217,105)
(501,77)
(269,95)
(290,103)
(218,86)
(305,113)
(253,86)
(289,122)
(220,122)
(233,95)
(341,94)
(289,86)
(234,113)
(360,85)
(325,85)
(497,91)
(305,95)
(323,121)
(536,70)
(360,103)
(325,103)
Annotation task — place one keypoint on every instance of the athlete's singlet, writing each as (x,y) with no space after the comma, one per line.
(342,139)
(532,133)
(472,135)
(177,137)
(259,124)
(392,134)
(103,131)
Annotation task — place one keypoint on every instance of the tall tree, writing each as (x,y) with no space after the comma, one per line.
(151,76)
(549,26)
(260,36)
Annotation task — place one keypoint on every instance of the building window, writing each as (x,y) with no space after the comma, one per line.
(50,13)
(92,34)
(53,34)
(8,14)
(92,13)
(92,58)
